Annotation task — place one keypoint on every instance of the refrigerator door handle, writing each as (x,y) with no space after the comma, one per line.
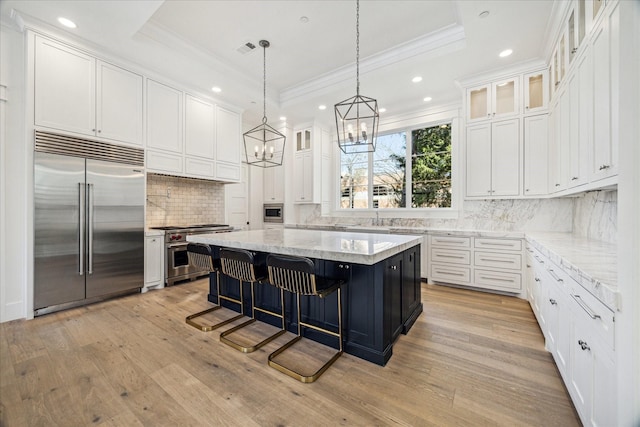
(90,227)
(81,222)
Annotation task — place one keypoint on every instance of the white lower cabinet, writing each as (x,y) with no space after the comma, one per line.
(153,261)
(579,333)
(479,262)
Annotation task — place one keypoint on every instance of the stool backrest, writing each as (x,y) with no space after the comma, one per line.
(239,264)
(293,274)
(201,256)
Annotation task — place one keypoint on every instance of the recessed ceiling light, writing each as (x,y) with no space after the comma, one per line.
(427,99)
(304,19)
(506,53)
(382,110)
(416,79)
(283,118)
(67,22)
(322,107)
(216,89)
(484,14)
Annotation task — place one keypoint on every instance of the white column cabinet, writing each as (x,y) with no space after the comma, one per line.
(479,160)
(154,252)
(273,184)
(77,93)
(536,156)
(303,185)
(309,145)
(228,144)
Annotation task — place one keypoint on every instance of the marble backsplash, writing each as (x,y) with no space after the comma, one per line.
(489,215)
(183,201)
(595,216)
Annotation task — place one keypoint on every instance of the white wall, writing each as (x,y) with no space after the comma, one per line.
(15,178)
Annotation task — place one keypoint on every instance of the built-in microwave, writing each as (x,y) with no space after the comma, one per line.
(273,213)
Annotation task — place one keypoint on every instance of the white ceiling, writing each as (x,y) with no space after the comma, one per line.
(196,42)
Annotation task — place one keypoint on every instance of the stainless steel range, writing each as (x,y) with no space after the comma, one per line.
(177,265)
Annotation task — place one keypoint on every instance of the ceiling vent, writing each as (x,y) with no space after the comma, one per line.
(246,48)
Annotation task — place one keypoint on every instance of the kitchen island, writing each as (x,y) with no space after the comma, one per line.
(381,297)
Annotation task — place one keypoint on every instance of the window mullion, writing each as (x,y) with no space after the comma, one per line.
(370,182)
(408,170)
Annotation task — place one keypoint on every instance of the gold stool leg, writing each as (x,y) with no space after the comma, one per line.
(293,373)
(224,337)
(207,328)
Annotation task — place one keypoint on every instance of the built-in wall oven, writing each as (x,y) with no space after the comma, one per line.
(273,213)
(177,267)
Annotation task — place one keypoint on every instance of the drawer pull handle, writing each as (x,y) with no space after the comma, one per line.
(495,244)
(537,279)
(585,307)
(554,275)
(583,345)
(499,279)
(553,302)
(451,256)
(450,273)
(497,260)
(538,259)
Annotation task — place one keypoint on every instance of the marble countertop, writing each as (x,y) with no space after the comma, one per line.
(345,246)
(408,230)
(152,232)
(591,263)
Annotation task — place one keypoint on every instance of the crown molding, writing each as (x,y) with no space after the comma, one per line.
(554,26)
(500,73)
(437,43)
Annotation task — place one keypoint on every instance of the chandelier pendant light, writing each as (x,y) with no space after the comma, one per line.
(264,145)
(357,117)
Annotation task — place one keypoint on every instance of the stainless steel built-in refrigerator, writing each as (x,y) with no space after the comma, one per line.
(88,222)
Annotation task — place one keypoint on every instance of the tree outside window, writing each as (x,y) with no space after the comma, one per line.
(431,167)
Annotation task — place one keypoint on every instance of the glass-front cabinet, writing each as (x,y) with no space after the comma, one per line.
(303,140)
(492,101)
(535,94)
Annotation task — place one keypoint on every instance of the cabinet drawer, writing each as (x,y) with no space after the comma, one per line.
(498,260)
(498,244)
(163,162)
(450,256)
(497,280)
(451,242)
(594,314)
(450,274)
(203,168)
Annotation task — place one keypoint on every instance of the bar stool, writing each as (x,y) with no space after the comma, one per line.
(297,275)
(202,256)
(241,265)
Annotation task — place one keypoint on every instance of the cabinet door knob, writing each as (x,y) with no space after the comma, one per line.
(394,267)
(574,178)
(604,167)
(553,302)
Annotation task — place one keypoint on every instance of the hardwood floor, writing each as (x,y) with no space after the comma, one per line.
(470,359)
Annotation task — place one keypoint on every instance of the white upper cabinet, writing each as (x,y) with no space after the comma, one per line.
(493,159)
(75,92)
(164,117)
(199,128)
(493,101)
(119,109)
(303,139)
(606,63)
(65,93)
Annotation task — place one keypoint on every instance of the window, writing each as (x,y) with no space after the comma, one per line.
(380,179)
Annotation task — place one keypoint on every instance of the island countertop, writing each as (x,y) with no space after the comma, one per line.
(359,248)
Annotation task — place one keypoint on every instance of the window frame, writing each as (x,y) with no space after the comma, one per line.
(409,211)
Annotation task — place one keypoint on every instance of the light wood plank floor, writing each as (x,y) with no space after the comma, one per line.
(470,359)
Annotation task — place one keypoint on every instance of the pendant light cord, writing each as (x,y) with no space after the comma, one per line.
(264,84)
(358,47)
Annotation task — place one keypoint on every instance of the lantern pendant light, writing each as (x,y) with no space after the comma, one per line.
(264,145)
(357,117)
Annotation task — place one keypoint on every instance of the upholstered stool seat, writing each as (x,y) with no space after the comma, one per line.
(243,266)
(297,275)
